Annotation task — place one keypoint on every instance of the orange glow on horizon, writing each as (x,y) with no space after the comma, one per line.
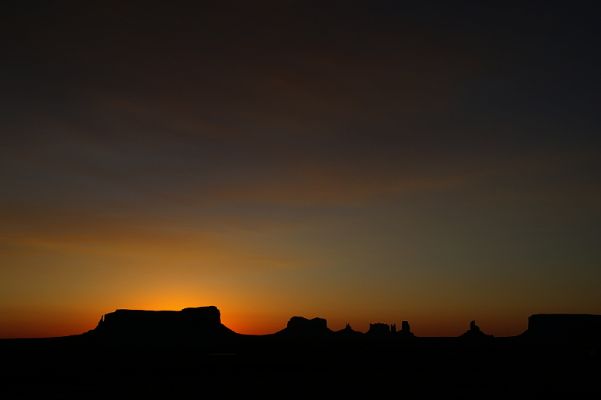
(44,324)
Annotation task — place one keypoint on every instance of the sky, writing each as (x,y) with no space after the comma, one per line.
(360,161)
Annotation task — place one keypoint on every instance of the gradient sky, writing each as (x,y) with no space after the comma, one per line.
(358,161)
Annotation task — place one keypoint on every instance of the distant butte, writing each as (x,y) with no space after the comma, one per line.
(564,327)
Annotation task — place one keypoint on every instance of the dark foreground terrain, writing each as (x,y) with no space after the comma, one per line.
(190,354)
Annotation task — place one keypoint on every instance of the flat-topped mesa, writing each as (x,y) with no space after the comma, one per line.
(188,323)
(568,328)
(300,326)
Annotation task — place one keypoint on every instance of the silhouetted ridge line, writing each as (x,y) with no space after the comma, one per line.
(564,328)
(203,325)
(192,349)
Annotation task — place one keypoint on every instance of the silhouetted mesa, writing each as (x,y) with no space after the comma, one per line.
(300,326)
(188,324)
(379,329)
(564,327)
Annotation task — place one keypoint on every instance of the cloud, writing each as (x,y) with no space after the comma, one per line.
(148,242)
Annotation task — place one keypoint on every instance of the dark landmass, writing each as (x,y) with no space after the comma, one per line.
(190,353)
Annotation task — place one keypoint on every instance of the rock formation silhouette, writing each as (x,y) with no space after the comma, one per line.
(405,330)
(303,327)
(187,325)
(379,329)
(348,332)
(475,333)
(203,325)
(192,350)
(562,328)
